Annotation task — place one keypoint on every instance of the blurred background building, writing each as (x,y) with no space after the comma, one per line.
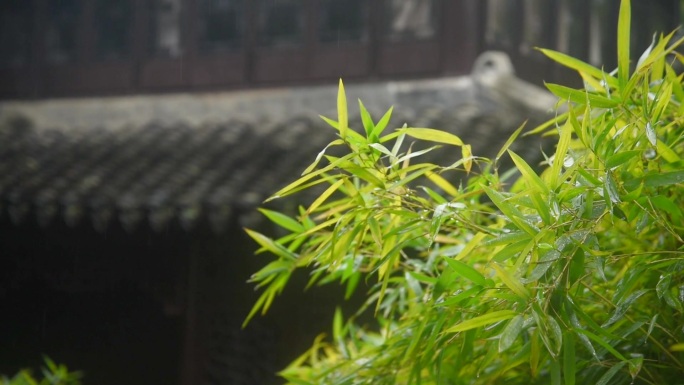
(138,136)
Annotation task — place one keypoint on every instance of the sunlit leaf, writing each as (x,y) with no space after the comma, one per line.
(579,65)
(581,97)
(342,118)
(433,135)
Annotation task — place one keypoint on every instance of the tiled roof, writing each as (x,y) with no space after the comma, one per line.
(167,172)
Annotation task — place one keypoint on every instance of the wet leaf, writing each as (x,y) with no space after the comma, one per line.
(510,333)
(623,306)
(610,373)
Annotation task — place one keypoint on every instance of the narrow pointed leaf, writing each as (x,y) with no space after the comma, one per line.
(510,333)
(433,135)
(511,282)
(530,176)
(581,96)
(485,319)
(342,118)
(466,271)
(366,119)
(283,220)
(579,65)
(510,141)
(325,195)
(624,21)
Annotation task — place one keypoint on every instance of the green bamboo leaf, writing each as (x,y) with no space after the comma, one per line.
(351,135)
(555,372)
(382,124)
(651,134)
(544,263)
(367,174)
(621,157)
(635,365)
(466,271)
(581,96)
(510,141)
(283,220)
(610,373)
(512,213)
(270,245)
(530,176)
(510,333)
(433,135)
(603,343)
(325,195)
(366,119)
(320,155)
(561,151)
(569,359)
(342,118)
(485,319)
(656,180)
(666,152)
(292,186)
(579,65)
(442,183)
(623,42)
(535,353)
(611,188)
(511,282)
(268,272)
(622,307)
(382,149)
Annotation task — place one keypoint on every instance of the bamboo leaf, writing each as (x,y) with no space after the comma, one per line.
(467,154)
(270,245)
(603,343)
(382,124)
(622,307)
(579,65)
(367,121)
(621,157)
(530,176)
(510,333)
(320,155)
(610,373)
(569,359)
(474,242)
(623,41)
(466,271)
(581,96)
(325,195)
(433,135)
(342,118)
(292,186)
(611,188)
(485,319)
(442,183)
(512,213)
(561,151)
(511,282)
(283,220)
(510,141)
